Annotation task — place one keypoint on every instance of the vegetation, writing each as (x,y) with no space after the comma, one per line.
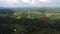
(30,22)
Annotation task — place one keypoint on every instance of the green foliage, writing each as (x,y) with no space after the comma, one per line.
(31,22)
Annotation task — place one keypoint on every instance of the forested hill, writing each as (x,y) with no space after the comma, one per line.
(6,11)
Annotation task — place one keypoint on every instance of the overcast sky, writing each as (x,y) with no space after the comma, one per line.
(29,3)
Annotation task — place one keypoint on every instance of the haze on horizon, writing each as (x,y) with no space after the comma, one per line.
(29,3)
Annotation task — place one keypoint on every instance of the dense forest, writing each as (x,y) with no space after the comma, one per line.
(30,21)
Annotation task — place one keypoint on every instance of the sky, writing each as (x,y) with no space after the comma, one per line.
(29,3)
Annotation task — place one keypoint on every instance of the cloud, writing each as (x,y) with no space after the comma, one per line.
(28,3)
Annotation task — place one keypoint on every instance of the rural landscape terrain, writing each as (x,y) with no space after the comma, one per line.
(30,20)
